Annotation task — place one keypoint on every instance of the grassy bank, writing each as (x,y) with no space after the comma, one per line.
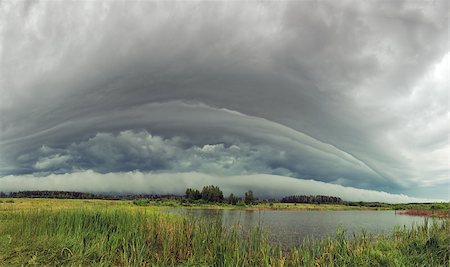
(25,203)
(259,206)
(430,209)
(100,233)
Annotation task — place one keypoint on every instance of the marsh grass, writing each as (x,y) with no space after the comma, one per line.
(126,236)
(427,213)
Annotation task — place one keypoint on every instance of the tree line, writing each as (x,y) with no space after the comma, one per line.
(79,195)
(208,194)
(213,194)
(311,199)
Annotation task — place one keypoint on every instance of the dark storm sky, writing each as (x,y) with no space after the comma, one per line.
(351,94)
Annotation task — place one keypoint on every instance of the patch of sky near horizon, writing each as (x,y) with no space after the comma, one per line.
(360,88)
(263,185)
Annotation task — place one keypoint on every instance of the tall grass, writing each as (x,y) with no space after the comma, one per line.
(74,237)
(124,237)
(421,245)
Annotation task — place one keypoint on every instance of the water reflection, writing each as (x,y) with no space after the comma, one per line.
(292,227)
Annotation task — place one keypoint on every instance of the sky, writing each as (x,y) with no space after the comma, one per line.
(343,98)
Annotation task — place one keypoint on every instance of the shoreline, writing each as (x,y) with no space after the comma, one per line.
(425,210)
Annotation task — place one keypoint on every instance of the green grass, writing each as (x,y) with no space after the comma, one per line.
(96,233)
(119,237)
(421,245)
(444,206)
(21,203)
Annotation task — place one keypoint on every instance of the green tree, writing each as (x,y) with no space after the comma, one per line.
(212,193)
(249,198)
(232,199)
(193,194)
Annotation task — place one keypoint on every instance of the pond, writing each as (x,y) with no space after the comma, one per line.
(292,227)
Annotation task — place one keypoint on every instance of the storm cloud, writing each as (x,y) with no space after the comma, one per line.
(349,93)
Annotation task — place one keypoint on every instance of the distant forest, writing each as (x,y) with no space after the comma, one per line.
(207,194)
(311,199)
(79,195)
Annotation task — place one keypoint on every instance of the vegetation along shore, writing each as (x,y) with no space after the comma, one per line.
(137,232)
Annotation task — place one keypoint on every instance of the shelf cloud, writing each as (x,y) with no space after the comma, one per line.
(322,94)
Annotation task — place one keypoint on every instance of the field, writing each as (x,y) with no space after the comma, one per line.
(120,233)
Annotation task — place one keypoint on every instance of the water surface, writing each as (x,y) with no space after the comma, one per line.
(292,227)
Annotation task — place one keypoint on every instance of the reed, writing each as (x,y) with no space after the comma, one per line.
(427,213)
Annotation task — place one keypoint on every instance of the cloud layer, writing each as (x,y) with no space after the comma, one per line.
(139,150)
(351,93)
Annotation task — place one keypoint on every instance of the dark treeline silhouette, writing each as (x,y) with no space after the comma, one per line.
(79,195)
(249,198)
(213,194)
(193,194)
(209,194)
(311,199)
(366,204)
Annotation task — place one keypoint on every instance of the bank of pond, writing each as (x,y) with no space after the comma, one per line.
(291,227)
(96,233)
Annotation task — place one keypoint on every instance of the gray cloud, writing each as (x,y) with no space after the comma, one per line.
(263,146)
(364,79)
(127,150)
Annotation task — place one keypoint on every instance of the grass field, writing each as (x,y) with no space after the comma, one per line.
(119,233)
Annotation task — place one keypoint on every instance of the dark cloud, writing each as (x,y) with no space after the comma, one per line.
(353,92)
(141,151)
(258,142)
